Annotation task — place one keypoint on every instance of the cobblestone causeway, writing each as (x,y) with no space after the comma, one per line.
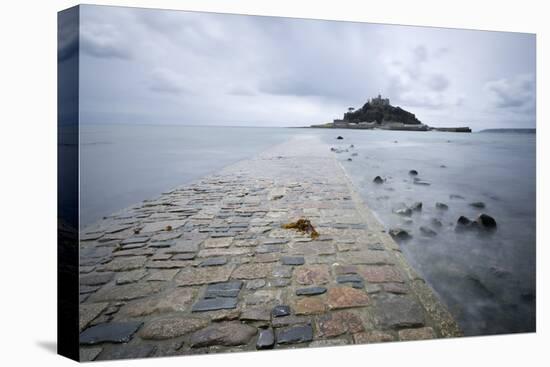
(204,267)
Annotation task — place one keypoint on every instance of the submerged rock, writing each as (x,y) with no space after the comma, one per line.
(417,206)
(413,172)
(428,232)
(349,159)
(463,221)
(399,234)
(378,180)
(483,221)
(407,212)
(441,206)
(436,222)
(486,221)
(455,196)
(478,204)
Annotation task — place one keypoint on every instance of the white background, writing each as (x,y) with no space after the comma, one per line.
(28,182)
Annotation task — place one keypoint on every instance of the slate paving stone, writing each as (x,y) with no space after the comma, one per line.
(211,304)
(280,310)
(294,334)
(112,332)
(293,260)
(179,257)
(214,261)
(266,339)
(311,291)
(226,289)
(225,334)
(399,312)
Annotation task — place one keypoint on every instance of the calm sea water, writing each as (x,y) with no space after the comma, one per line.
(487,282)
(125,164)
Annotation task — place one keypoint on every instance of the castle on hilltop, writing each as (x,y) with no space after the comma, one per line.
(379,101)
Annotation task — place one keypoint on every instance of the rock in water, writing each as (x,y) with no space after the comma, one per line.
(486,221)
(417,206)
(441,206)
(339,138)
(428,232)
(399,234)
(378,180)
(436,222)
(349,159)
(462,220)
(413,172)
(478,204)
(407,212)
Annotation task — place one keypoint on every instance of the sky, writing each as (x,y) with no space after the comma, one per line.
(149,66)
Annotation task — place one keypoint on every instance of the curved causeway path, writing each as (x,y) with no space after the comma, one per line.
(208,267)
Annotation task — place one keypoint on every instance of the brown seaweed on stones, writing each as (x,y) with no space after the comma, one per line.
(303,226)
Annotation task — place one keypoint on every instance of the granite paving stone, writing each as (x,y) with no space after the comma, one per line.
(172,327)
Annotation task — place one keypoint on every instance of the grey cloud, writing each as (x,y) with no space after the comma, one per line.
(166,81)
(515,92)
(103,41)
(413,83)
(280,71)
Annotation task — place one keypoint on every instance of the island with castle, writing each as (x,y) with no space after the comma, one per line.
(378,113)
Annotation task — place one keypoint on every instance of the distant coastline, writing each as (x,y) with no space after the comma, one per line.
(515,131)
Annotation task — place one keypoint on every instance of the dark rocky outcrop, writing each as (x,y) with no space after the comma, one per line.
(378,112)
(413,172)
(441,206)
(399,234)
(378,180)
(486,221)
(339,138)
